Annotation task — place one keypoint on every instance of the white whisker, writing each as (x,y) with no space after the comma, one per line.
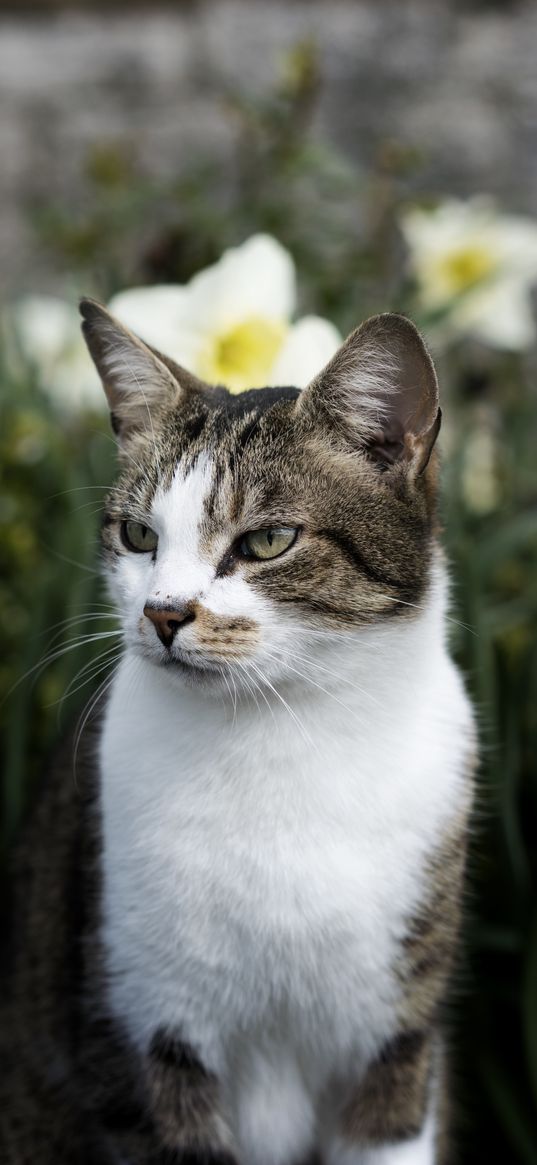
(72,621)
(351,711)
(232,695)
(103,687)
(94,667)
(70,561)
(252,687)
(53,656)
(336,675)
(264,680)
(76,489)
(124,452)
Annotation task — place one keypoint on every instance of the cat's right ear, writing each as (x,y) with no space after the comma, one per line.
(138,380)
(380,393)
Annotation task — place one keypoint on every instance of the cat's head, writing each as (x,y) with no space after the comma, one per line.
(245,530)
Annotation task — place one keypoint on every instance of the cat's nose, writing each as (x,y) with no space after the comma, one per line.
(168,620)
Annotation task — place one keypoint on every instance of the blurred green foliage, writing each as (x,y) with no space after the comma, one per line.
(340,226)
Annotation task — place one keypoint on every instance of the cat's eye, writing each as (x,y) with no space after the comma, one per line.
(269,542)
(135,536)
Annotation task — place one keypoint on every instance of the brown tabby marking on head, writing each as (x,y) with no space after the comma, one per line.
(364,549)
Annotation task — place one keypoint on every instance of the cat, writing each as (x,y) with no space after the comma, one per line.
(235,932)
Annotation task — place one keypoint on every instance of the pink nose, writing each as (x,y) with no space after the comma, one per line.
(167,620)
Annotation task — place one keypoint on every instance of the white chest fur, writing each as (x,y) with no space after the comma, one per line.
(258,876)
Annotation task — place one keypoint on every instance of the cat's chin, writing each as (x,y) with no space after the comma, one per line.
(193,675)
(210,677)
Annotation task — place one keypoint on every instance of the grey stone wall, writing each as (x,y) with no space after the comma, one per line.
(459,84)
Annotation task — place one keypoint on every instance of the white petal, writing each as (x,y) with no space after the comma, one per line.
(255,279)
(74,385)
(44,326)
(517,243)
(452,223)
(309,345)
(48,334)
(500,315)
(162,316)
(149,308)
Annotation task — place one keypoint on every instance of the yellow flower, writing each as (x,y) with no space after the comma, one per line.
(231,324)
(464,267)
(475,267)
(242,356)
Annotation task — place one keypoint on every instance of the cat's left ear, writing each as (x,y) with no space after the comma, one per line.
(137,379)
(380,391)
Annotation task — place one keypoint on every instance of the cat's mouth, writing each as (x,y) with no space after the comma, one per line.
(196,667)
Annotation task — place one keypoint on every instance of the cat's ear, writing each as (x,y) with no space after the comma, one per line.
(380,391)
(136,378)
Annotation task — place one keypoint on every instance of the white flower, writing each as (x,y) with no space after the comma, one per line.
(231,324)
(475,268)
(45,332)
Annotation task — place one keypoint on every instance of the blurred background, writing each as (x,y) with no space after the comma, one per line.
(391,148)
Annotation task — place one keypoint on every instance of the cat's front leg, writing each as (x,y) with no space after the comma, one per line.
(184,1105)
(390,1118)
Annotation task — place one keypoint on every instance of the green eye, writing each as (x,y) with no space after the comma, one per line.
(137,537)
(268,543)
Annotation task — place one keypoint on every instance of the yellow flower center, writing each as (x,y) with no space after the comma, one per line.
(465,267)
(243,357)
